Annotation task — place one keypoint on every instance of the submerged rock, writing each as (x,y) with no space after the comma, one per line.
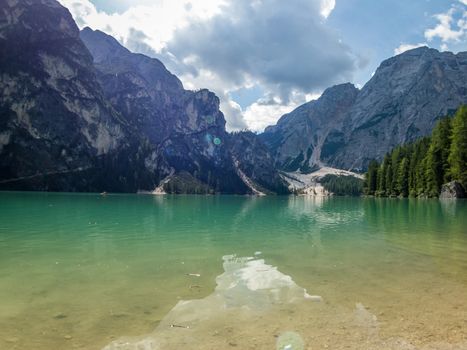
(452,190)
(245,293)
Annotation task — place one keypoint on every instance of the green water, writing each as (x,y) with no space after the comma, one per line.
(80,270)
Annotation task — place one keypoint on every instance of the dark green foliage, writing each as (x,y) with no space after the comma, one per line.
(342,185)
(437,166)
(421,168)
(184,183)
(371,178)
(458,153)
(403,177)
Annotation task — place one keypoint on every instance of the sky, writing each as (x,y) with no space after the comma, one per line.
(263,58)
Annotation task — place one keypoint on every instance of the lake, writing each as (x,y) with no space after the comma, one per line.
(84,271)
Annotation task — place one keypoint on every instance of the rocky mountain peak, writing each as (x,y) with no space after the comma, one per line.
(102,46)
(57,130)
(297,139)
(401,102)
(110,57)
(186,127)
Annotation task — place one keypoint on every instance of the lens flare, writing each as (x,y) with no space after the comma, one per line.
(290,341)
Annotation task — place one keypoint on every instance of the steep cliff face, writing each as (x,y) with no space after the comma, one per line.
(401,103)
(55,122)
(251,156)
(186,127)
(103,119)
(406,96)
(297,139)
(146,93)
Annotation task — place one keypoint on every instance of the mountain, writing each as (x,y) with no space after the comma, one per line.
(147,94)
(298,137)
(402,102)
(57,130)
(79,112)
(187,126)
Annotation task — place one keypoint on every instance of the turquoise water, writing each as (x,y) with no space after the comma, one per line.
(82,270)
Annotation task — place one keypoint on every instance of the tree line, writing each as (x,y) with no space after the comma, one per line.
(419,169)
(342,185)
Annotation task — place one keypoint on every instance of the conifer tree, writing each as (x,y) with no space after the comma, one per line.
(403,178)
(383,190)
(437,166)
(388,179)
(371,178)
(421,168)
(458,152)
(395,159)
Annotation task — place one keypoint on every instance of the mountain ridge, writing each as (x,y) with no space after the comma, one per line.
(58,131)
(82,113)
(400,103)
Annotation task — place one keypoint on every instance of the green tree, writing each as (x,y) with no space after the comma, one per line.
(403,177)
(421,168)
(371,178)
(437,165)
(395,160)
(418,153)
(458,152)
(421,178)
(388,179)
(382,188)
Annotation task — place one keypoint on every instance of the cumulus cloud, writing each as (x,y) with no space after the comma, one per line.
(327,6)
(157,19)
(451,27)
(287,48)
(258,116)
(405,47)
(267,111)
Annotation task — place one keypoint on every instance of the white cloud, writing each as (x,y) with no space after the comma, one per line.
(327,6)
(405,47)
(261,114)
(282,47)
(447,29)
(158,21)
(464,2)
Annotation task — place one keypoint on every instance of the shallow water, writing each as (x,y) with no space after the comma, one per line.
(80,271)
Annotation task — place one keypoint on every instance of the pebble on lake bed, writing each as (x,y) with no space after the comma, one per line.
(12,340)
(315,298)
(194,274)
(290,341)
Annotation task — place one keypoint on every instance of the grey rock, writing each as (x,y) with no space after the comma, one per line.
(186,127)
(402,102)
(452,190)
(59,131)
(79,112)
(298,138)
(255,161)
